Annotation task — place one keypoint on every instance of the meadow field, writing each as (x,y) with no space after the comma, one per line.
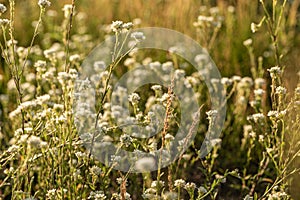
(140,99)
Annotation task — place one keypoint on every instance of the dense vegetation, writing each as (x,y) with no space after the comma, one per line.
(254,44)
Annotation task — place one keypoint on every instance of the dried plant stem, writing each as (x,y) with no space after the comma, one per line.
(189,135)
(165,129)
(67,47)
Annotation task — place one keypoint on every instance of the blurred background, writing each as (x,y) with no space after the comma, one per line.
(228,51)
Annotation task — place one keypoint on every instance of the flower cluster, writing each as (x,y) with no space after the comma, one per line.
(119,26)
(44,3)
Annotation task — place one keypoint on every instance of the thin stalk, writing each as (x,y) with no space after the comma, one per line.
(42,11)
(67,47)
(165,128)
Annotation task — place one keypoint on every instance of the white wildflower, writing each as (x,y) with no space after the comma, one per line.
(248,42)
(156,184)
(254,27)
(273,114)
(134,98)
(211,114)
(129,62)
(247,129)
(97,195)
(74,58)
(179,183)
(67,10)
(154,65)
(35,142)
(261,138)
(274,71)
(50,53)
(44,3)
(156,87)
(81,155)
(12,42)
(51,193)
(167,66)
(13,149)
(149,194)
(259,82)
(2,8)
(127,26)
(27,105)
(236,78)
(190,186)
(4,22)
(95,170)
(138,36)
(23,138)
(126,140)
(280,90)
(245,83)
(259,92)
(115,159)
(226,81)
(169,196)
(40,66)
(255,103)
(202,58)
(43,99)
(169,137)
(73,73)
(116,26)
(58,107)
(203,21)
(257,117)
(179,73)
